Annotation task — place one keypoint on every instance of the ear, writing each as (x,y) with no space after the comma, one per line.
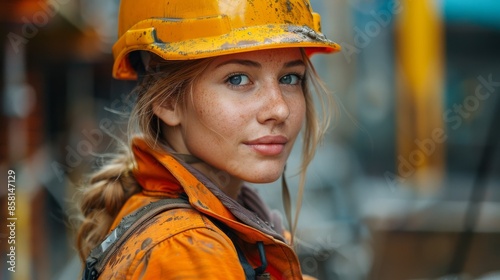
(169,112)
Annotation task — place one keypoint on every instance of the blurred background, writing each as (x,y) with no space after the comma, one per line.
(405,186)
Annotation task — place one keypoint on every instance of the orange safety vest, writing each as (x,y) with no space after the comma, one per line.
(186,243)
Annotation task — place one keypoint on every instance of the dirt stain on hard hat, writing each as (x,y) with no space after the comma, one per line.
(307,33)
(289,6)
(239,44)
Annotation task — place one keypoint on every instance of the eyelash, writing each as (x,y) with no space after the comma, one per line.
(299,76)
(232,75)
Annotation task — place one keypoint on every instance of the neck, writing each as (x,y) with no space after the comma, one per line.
(230,185)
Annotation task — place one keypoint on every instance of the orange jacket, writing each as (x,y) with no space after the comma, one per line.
(185,243)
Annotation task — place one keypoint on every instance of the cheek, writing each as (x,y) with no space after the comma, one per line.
(218,116)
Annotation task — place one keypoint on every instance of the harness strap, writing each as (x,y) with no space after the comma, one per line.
(100,255)
(258,273)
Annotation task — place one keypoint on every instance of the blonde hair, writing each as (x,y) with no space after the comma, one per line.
(111,186)
(314,130)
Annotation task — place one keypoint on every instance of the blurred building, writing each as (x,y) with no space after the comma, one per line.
(55,82)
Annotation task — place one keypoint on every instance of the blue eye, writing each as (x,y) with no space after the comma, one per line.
(290,79)
(238,80)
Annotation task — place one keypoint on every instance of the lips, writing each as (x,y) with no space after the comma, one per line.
(271,145)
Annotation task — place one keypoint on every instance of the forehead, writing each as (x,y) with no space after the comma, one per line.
(275,55)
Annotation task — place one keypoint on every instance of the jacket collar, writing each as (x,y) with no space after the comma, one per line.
(158,172)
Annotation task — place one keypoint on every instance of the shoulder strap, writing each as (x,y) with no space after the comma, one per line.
(100,255)
(247,267)
(250,273)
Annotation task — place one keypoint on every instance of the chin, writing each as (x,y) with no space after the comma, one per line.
(263,177)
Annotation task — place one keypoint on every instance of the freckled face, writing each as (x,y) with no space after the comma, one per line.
(244,113)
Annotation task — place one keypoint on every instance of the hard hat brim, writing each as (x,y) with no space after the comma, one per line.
(236,41)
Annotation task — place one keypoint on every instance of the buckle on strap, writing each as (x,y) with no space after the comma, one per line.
(90,272)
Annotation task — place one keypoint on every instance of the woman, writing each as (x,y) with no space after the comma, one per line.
(222,95)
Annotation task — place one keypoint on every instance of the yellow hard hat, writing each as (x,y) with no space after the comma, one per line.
(192,29)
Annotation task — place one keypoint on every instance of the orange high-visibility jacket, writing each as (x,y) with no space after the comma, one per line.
(185,243)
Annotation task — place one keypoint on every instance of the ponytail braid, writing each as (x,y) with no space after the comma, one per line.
(109,188)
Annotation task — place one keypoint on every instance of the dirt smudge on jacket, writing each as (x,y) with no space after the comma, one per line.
(145,243)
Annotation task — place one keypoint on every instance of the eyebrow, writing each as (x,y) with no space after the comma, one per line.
(242,62)
(254,64)
(294,63)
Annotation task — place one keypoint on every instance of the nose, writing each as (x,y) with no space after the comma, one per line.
(275,107)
